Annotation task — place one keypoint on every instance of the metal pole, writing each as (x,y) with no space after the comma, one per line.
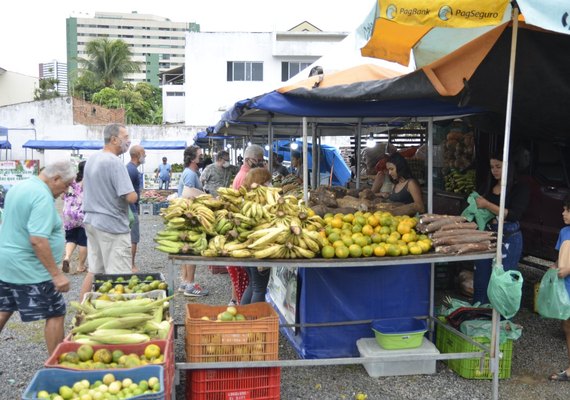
(494,360)
(305,165)
(430,210)
(270,151)
(319,158)
(358,138)
(315,150)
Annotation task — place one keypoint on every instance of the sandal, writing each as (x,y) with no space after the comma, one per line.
(561,376)
(80,270)
(65,266)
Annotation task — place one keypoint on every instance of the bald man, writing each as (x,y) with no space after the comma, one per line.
(138,155)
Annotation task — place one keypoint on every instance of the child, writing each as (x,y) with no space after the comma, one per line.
(563,266)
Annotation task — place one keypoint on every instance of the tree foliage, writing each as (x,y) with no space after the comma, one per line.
(142,102)
(100,80)
(47,89)
(108,60)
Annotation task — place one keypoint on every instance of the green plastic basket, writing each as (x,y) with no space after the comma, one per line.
(399,333)
(449,342)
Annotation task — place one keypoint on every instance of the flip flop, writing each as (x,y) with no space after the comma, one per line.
(561,376)
(65,266)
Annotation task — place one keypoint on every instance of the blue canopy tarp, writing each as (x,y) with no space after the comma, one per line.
(330,157)
(203,137)
(163,144)
(64,144)
(4,143)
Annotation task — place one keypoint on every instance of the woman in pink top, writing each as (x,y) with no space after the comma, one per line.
(253,158)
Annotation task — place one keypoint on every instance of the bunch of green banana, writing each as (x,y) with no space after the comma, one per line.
(215,247)
(198,214)
(223,225)
(262,194)
(177,223)
(194,244)
(209,201)
(254,210)
(285,242)
(231,198)
(286,204)
(314,222)
(458,182)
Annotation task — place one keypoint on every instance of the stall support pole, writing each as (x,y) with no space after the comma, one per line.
(319,158)
(495,351)
(305,164)
(315,151)
(358,139)
(429,174)
(270,151)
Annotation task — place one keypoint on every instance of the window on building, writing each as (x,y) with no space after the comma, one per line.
(291,68)
(245,71)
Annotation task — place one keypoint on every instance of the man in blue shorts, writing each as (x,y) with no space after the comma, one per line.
(164,174)
(32,248)
(138,156)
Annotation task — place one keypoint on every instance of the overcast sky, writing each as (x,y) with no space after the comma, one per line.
(33,32)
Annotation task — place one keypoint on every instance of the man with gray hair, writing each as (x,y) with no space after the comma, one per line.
(32,247)
(218,174)
(252,158)
(107,193)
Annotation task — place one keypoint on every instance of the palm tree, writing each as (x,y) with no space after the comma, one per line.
(108,60)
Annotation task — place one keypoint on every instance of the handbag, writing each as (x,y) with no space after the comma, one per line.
(505,291)
(553,300)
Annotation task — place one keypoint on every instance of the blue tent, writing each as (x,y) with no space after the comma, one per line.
(64,144)
(330,159)
(4,143)
(163,144)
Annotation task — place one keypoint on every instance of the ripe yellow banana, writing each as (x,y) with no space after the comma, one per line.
(268,251)
(303,253)
(242,253)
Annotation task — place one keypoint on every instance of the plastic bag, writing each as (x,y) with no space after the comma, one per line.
(553,300)
(505,291)
(481,328)
(131,218)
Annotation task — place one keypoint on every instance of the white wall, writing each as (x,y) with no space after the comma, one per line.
(173,103)
(53,120)
(16,88)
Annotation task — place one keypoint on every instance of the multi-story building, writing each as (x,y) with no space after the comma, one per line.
(225,67)
(157,43)
(56,70)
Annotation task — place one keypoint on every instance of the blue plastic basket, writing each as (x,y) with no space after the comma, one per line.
(51,379)
(399,333)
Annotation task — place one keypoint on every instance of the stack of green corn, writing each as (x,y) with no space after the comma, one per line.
(120,322)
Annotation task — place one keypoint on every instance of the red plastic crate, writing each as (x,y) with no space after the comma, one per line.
(166,348)
(234,384)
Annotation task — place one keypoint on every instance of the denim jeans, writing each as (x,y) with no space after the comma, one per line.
(511,253)
(255,291)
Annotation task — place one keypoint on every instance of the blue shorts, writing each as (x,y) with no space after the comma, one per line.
(135,230)
(77,236)
(34,301)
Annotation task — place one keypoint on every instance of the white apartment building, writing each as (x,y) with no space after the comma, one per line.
(157,43)
(225,67)
(56,70)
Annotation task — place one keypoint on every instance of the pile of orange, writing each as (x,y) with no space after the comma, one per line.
(366,234)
